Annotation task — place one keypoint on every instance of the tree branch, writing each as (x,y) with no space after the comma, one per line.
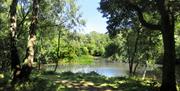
(24,17)
(21,23)
(142,20)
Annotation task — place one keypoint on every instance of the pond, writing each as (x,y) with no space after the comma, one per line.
(109,69)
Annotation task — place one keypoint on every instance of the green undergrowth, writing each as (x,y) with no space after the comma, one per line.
(68,81)
(4,80)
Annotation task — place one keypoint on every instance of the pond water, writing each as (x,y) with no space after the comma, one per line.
(109,69)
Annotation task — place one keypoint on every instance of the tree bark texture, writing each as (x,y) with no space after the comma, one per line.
(28,61)
(22,73)
(167,23)
(15,61)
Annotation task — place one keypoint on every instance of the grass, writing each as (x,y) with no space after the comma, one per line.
(68,81)
(95,82)
(83,59)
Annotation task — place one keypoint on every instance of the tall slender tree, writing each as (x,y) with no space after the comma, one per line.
(28,62)
(15,61)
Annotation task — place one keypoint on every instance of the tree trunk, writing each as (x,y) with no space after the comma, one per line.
(167,25)
(168,76)
(135,68)
(58,54)
(40,60)
(131,61)
(15,61)
(130,67)
(28,62)
(144,73)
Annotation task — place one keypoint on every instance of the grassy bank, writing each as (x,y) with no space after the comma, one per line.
(83,59)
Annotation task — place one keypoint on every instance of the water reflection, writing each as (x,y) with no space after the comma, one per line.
(108,69)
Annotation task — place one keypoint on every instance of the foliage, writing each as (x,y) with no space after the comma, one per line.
(136,47)
(4,37)
(72,46)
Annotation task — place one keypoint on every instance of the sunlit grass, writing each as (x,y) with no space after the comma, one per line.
(83,59)
(93,81)
(68,81)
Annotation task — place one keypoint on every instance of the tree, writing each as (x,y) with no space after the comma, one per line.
(15,61)
(163,16)
(134,46)
(96,43)
(29,58)
(23,72)
(56,20)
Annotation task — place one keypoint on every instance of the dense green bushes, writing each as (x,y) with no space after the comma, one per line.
(72,47)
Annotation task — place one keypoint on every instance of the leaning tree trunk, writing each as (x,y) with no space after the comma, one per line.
(144,73)
(15,61)
(28,61)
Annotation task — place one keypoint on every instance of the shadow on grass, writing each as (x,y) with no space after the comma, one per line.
(68,81)
(95,82)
